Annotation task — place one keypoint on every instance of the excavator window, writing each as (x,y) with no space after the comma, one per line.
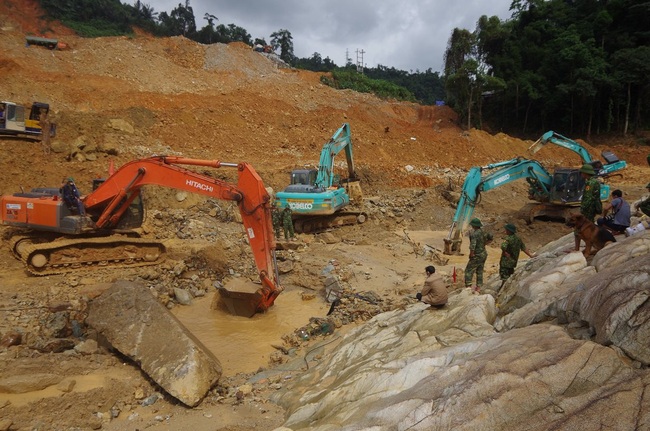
(304,177)
(15,113)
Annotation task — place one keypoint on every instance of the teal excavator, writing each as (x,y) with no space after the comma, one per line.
(554,195)
(318,197)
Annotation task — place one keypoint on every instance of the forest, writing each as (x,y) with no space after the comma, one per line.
(580,66)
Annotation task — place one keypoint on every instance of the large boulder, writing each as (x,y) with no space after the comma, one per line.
(137,325)
(625,250)
(528,295)
(538,277)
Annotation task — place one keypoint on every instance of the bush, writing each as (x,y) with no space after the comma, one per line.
(352,80)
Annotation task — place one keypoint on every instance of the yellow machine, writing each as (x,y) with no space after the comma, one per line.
(15,121)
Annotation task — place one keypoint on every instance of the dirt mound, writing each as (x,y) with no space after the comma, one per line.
(137,96)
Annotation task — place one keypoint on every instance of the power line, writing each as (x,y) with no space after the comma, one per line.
(360,60)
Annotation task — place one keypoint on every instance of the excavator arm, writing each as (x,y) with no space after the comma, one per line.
(498,174)
(341,140)
(112,198)
(612,164)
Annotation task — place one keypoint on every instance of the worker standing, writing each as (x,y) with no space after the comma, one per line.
(287,224)
(478,238)
(276,217)
(590,204)
(511,246)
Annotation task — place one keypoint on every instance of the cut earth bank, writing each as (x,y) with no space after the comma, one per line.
(238,106)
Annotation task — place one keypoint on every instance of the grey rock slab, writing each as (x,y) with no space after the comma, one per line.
(616,304)
(622,251)
(137,325)
(534,378)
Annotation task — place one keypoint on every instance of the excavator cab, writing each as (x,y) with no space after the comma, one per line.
(303,181)
(567,186)
(304,176)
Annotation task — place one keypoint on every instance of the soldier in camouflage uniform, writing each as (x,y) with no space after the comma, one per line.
(511,246)
(287,224)
(478,238)
(276,217)
(590,204)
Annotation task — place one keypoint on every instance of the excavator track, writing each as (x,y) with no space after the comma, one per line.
(65,255)
(314,224)
(534,210)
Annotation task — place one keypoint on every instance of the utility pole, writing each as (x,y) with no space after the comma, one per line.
(360,60)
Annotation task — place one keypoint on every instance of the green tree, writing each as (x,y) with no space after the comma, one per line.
(208,32)
(577,66)
(632,68)
(239,34)
(283,41)
(461,72)
(180,22)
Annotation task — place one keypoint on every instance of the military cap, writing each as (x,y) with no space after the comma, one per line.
(475,222)
(511,227)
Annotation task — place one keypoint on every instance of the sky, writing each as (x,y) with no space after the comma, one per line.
(410,35)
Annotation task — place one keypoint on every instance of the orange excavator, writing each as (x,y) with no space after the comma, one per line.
(55,238)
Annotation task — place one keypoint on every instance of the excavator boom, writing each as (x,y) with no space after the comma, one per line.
(612,163)
(554,194)
(107,205)
(497,175)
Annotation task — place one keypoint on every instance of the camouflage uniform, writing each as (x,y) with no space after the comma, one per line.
(276,217)
(591,199)
(644,207)
(477,240)
(287,223)
(513,246)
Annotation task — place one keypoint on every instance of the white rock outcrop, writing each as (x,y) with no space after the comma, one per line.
(565,346)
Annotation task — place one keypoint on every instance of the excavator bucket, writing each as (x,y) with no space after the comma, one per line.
(241,297)
(353,188)
(536,146)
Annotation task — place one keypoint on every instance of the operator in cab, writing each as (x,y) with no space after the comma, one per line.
(71,196)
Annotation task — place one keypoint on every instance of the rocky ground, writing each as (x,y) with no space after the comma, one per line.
(119,99)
